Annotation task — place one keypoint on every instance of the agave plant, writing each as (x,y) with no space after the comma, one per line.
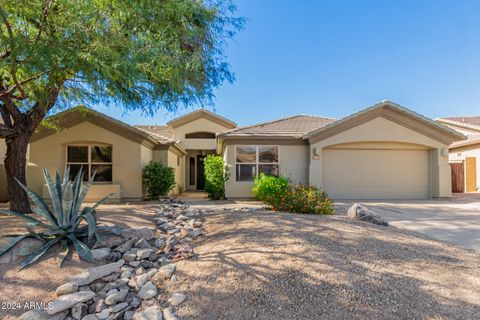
(63,222)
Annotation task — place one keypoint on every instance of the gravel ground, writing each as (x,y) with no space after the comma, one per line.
(282,266)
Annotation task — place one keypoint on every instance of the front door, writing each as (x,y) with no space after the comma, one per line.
(200,173)
(457,177)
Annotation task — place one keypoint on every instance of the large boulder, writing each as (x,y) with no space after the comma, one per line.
(359,212)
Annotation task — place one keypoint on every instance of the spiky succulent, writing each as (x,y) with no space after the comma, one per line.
(63,222)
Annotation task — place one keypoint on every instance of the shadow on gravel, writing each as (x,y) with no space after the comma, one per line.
(284,266)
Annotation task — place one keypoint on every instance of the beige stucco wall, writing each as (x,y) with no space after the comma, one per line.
(198,125)
(128,157)
(292,160)
(459,155)
(383,130)
(177,162)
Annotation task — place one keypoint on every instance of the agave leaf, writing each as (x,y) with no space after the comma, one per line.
(67,202)
(35,255)
(64,249)
(83,193)
(30,228)
(91,225)
(58,185)
(81,248)
(56,198)
(77,186)
(27,217)
(66,177)
(41,208)
(10,244)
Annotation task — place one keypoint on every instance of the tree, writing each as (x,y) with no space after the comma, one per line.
(143,55)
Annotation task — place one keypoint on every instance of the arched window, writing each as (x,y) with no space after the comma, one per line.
(200,135)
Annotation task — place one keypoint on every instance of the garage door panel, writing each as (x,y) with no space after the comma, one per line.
(376,174)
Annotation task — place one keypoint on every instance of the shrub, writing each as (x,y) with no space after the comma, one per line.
(307,199)
(62,222)
(270,189)
(216,175)
(159,179)
(281,195)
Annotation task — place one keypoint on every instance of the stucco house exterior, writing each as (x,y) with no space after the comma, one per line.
(464,155)
(383,152)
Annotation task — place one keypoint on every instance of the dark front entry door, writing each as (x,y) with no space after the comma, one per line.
(200,173)
(458,177)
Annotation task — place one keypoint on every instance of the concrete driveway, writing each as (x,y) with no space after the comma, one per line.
(456,221)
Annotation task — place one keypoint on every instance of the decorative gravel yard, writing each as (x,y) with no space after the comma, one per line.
(253,264)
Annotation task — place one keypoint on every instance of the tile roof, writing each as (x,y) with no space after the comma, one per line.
(163,134)
(474,120)
(471,140)
(293,126)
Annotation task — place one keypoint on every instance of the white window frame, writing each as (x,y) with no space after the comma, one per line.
(89,164)
(257,159)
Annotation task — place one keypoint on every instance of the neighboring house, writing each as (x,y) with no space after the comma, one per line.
(382,152)
(465,155)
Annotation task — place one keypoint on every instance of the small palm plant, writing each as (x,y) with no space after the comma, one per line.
(64,222)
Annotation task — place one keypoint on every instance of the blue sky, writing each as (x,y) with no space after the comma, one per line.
(336,57)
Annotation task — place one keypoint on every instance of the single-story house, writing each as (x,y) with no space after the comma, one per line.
(465,155)
(383,152)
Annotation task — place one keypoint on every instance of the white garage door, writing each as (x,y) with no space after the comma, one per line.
(376,174)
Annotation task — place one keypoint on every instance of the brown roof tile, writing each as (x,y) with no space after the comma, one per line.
(475,120)
(293,126)
(159,133)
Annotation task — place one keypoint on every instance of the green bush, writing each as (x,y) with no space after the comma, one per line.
(307,199)
(158,179)
(281,195)
(216,175)
(270,189)
(65,222)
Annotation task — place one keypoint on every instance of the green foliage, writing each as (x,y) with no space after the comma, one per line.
(142,54)
(270,189)
(281,195)
(159,179)
(216,175)
(63,222)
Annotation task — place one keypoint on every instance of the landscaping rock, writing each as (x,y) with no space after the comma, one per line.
(104,314)
(110,241)
(167,270)
(120,307)
(152,313)
(147,291)
(79,311)
(144,253)
(69,300)
(90,317)
(176,299)
(160,243)
(141,280)
(360,212)
(42,315)
(129,256)
(101,253)
(183,234)
(93,273)
(116,297)
(195,233)
(128,315)
(66,288)
(126,246)
(145,232)
(142,244)
(168,314)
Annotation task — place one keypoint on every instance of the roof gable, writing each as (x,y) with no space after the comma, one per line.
(71,117)
(393,112)
(201,113)
(472,123)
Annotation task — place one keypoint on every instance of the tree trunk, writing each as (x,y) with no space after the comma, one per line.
(15,167)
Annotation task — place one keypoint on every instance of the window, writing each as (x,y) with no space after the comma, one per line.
(200,135)
(91,158)
(253,160)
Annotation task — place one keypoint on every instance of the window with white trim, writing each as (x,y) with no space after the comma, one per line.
(251,161)
(92,158)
